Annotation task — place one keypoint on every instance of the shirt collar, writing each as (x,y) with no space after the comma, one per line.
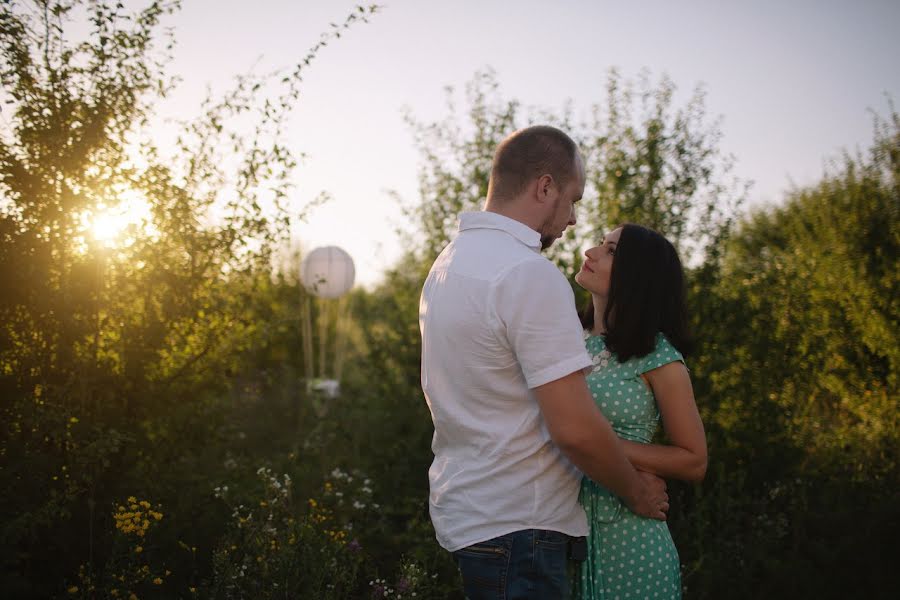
(491,220)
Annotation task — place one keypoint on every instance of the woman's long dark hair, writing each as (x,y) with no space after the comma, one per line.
(646,295)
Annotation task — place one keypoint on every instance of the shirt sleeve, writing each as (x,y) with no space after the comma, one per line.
(536,309)
(663,354)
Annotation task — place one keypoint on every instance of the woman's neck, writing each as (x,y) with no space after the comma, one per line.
(599,309)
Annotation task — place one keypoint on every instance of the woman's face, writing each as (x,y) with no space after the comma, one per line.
(597,267)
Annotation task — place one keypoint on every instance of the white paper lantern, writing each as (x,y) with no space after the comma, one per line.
(328,272)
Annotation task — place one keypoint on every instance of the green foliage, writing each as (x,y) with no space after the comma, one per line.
(795,311)
(124,357)
(158,435)
(817,280)
(646,161)
(394,439)
(660,166)
(269,551)
(797,383)
(457,159)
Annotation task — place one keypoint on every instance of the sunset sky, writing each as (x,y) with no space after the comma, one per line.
(793,82)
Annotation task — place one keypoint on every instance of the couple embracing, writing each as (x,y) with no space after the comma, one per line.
(545,481)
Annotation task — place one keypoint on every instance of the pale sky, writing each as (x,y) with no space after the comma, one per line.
(793,81)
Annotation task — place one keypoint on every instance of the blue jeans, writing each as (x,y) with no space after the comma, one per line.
(531,563)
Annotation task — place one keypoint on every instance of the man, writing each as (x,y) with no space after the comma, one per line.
(502,370)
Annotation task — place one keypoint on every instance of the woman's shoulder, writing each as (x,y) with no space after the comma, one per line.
(663,353)
(663,344)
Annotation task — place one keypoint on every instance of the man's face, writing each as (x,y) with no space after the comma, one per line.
(562,213)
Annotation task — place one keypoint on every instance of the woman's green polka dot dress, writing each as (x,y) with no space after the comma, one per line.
(628,556)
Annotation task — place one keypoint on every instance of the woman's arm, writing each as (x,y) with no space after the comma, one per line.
(685,457)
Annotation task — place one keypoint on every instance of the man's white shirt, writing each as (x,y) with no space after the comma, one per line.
(497,319)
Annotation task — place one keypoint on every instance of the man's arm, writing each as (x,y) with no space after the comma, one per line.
(586,438)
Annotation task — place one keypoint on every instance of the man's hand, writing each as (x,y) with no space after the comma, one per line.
(651,499)
(584,435)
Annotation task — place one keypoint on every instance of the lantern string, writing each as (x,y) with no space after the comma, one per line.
(322,317)
(340,332)
(307,337)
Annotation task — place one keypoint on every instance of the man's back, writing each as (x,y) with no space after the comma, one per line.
(497,319)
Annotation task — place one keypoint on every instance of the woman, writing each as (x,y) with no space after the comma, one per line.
(635,328)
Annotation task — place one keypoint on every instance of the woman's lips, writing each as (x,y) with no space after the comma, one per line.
(587,268)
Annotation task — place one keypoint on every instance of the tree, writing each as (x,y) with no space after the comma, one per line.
(818,283)
(111,352)
(457,159)
(662,168)
(797,380)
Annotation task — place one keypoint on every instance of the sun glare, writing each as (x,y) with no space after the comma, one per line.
(108,226)
(117,226)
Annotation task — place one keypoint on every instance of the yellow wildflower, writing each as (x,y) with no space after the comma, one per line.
(138,549)
(157,581)
(73,589)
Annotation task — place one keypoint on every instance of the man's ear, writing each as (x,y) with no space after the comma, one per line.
(545,188)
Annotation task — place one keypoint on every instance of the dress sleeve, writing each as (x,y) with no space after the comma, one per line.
(663,354)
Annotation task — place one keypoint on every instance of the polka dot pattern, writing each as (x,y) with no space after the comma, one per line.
(628,556)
